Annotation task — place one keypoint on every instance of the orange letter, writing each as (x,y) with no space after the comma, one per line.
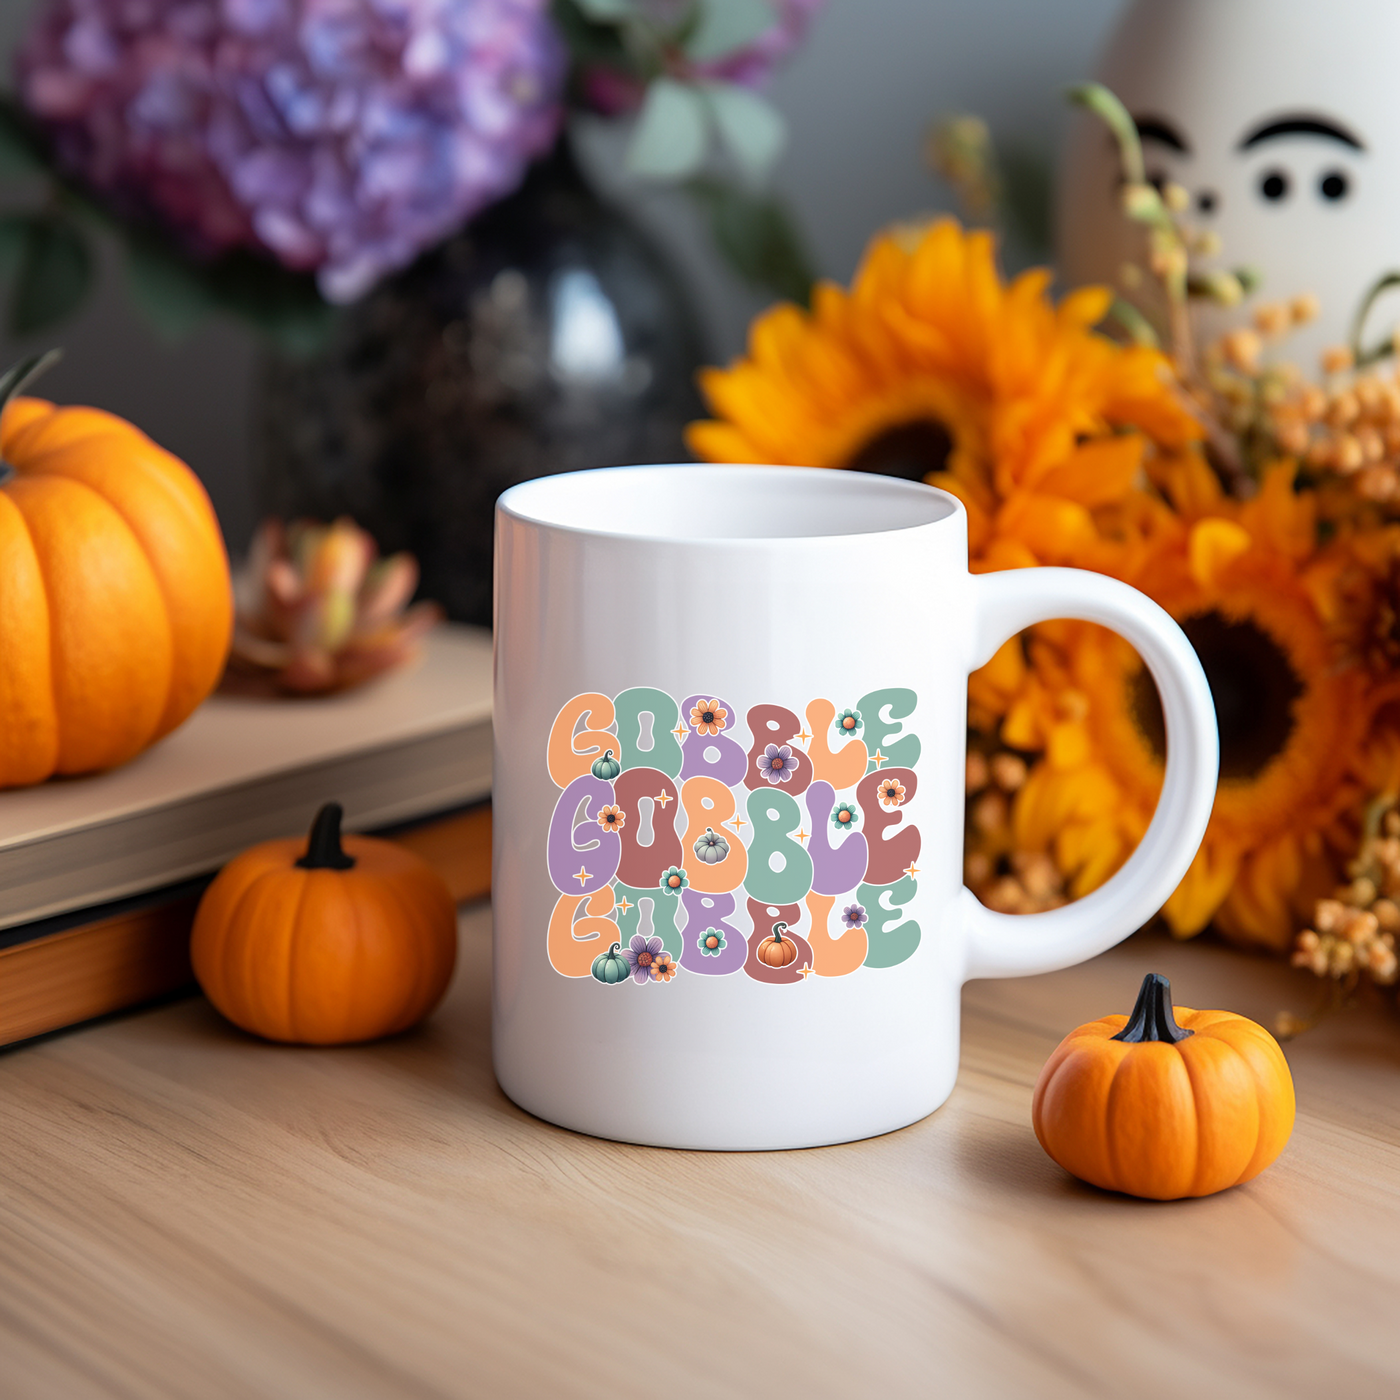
(843,767)
(833,957)
(573,946)
(567,760)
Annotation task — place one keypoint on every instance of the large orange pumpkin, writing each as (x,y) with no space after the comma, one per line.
(324,942)
(115,602)
(1165,1103)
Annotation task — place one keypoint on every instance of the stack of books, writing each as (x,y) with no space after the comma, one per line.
(100,876)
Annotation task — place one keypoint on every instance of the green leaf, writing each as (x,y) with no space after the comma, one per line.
(14,231)
(1028,194)
(54,274)
(669,140)
(169,290)
(605,11)
(20,150)
(285,306)
(757,237)
(753,131)
(726,25)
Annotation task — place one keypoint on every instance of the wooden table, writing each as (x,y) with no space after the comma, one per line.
(185,1212)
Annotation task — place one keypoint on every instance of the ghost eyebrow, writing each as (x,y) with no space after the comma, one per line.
(1300,124)
(1159,129)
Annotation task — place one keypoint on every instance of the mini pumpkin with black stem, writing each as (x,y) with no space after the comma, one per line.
(1165,1103)
(325,941)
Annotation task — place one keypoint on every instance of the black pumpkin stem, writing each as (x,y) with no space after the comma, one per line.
(14,380)
(19,376)
(1152,1017)
(323,849)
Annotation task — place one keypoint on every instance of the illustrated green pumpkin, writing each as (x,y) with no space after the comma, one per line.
(611,966)
(606,767)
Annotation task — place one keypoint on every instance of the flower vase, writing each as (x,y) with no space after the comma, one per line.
(549,335)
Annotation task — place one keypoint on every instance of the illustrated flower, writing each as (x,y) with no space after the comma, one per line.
(890,792)
(848,722)
(777,763)
(663,968)
(708,717)
(712,943)
(931,367)
(845,816)
(673,881)
(612,818)
(853,916)
(338,136)
(642,956)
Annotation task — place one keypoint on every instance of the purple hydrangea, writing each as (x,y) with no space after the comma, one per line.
(341,136)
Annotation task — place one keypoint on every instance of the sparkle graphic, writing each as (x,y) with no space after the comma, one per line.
(877,758)
(583,877)
(663,798)
(804,736)
(911,869)
(680,731)
(806,971)
(736,819)
(802,835)
(626,904)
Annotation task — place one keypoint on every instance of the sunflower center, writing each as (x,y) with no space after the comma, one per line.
(1254,687)
(908,450)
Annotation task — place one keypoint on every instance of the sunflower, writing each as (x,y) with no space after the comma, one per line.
(931,367)
(1262,604)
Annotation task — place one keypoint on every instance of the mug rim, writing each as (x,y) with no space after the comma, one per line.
(515,502)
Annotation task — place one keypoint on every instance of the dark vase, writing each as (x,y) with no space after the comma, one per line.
(548,336)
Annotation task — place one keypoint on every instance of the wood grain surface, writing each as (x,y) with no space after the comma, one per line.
(187,1212)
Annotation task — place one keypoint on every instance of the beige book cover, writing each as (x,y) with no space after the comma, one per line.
(243,770)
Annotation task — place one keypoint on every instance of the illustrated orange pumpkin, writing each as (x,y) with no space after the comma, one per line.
(775,950)
(1165,1104)
(324,942)
(115,602)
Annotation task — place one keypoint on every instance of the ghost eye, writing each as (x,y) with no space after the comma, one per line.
(1334,185)
(1274,186)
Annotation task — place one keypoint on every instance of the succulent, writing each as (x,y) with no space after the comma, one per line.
(318,610)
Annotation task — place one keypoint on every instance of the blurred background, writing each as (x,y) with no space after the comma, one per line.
(859,96)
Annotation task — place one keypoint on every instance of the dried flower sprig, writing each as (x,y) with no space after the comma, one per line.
(1003,878)
(318,610)
(1354,932)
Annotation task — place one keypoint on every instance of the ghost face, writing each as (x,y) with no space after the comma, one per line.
(1274,116)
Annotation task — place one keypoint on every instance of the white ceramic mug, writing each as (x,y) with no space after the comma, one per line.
(730,738)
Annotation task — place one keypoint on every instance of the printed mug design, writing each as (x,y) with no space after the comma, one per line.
(691,838)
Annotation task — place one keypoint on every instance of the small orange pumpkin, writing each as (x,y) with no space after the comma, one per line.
(115,602)
(1163,1104)
(324,942)
(775,950)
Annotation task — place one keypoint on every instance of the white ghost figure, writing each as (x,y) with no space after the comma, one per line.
(1281,120)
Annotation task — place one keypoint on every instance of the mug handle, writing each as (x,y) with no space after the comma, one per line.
(1016,945)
